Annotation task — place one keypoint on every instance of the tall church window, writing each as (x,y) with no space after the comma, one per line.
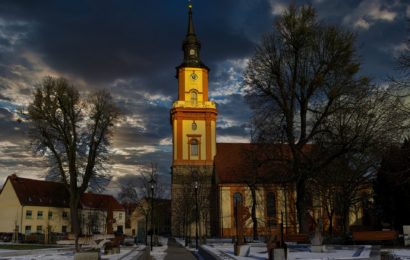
(271,208)
(194,97)
(194,147)
(237,199)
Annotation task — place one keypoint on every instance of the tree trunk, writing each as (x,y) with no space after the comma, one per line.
(254,219)
(75,224)
(301,206)
(146,229)
(331,224)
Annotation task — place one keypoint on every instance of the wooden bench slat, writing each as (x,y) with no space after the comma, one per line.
(374,235)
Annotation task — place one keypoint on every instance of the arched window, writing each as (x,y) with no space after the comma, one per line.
(194,147)
(271,208)
(194,97)
(237,199)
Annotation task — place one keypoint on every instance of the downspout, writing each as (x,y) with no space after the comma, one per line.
(21,220)
(220,211)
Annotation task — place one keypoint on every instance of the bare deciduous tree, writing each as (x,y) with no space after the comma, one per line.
(138,191)
(74,135)
(303,86)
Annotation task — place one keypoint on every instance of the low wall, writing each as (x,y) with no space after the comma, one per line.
(207,254)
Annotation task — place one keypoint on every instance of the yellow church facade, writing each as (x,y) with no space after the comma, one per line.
(209,179)
(199,178)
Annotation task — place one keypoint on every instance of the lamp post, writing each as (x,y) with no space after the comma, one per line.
(152,183)
(196,214)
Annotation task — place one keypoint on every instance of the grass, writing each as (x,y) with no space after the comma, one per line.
(24,246)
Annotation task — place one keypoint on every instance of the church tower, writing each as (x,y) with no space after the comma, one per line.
(193,120)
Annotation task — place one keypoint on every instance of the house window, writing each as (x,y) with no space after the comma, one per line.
(194,147)
(120,216)
(65,215)
(28,230)
(40,214)
(64,229)
(50,215)
(194,98)
(39,229)
(271,208)
(29,214)
(119,230)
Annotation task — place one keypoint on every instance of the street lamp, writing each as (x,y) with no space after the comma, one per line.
(152,183)
(196,214)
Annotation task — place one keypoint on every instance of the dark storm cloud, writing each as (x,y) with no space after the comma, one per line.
(4,97)
(104,40)
(235,110)
(11,129)
(132,48)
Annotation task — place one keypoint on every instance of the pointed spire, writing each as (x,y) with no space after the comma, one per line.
(191,45)
(191,30)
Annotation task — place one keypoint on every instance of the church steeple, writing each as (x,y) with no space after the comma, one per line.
(191,45)
(193,120)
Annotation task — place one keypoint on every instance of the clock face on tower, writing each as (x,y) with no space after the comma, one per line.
(194,76)
(191,52)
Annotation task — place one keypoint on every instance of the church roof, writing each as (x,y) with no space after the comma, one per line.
(53,194)
(257,163)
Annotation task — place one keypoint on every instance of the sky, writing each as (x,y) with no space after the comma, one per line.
(131,48)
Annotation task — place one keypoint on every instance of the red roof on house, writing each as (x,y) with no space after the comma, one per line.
(100,201)
(54,194)
(39,193)
(261,163)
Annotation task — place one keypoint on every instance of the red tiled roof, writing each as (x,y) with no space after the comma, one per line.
(40,193)
(54,194)
(100,201)
(238,162)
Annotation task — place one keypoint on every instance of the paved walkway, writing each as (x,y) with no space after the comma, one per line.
(177,252)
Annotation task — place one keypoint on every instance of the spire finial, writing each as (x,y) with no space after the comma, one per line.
(191,29)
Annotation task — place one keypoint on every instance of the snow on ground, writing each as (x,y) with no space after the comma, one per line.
(258,251)
(158,252)
(225,251)
(400,254)
(126,253)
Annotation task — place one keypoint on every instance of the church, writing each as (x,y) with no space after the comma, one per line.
(209,179)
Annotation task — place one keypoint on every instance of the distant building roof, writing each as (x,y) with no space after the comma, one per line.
(100,201)
(53,194)
(261,163)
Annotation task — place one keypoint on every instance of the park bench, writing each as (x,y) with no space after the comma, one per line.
(389,235)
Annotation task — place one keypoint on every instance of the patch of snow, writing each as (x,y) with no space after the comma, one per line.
(126,253)
(158,252)
(226,251)
(401,254)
